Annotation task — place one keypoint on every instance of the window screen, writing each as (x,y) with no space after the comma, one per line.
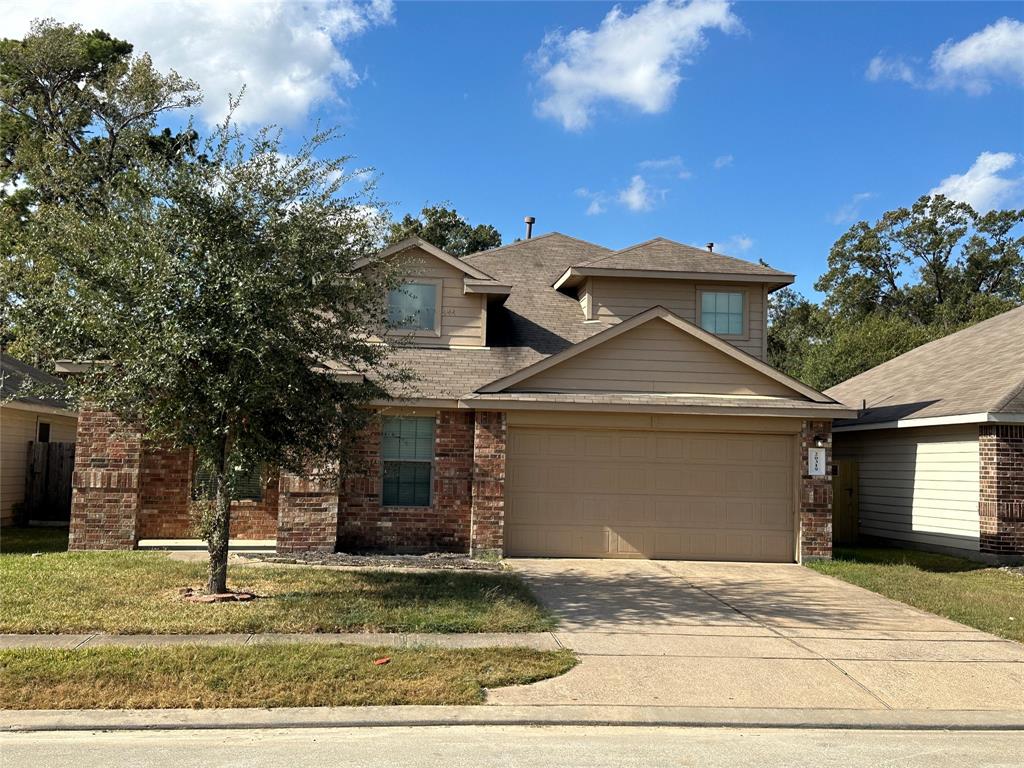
(247,487)
(413,307)
(407,450)
(722,313)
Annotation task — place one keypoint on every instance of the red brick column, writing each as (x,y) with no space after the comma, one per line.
(1001,499)
(105,496)
(307,514)
(487,535)
(815,495)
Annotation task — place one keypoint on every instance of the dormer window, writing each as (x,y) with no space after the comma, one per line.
(415,306)
(723,313)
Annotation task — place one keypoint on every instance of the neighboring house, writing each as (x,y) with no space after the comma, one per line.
(569,400)
(939,442)
(24,420)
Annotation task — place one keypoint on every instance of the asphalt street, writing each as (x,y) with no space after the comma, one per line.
(479,746)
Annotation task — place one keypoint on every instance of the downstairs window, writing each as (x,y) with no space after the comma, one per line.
(407,451)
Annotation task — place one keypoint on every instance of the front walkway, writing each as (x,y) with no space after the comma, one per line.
(688,634)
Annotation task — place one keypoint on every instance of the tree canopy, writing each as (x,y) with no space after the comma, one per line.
(442,226)
(218,292)
(915,275)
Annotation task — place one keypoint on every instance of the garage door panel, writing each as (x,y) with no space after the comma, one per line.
(609,493)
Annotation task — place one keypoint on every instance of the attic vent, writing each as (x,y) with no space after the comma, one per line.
(711,247)
(529,226)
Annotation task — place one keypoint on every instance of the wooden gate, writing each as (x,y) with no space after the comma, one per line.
(48,482)
(845,506)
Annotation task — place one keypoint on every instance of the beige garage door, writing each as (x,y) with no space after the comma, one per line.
(670,495)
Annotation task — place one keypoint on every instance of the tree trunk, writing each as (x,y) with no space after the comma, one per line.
(217,582)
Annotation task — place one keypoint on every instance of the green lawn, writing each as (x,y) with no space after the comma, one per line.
(137,592)
(972,593)
(28,540)
(264,676)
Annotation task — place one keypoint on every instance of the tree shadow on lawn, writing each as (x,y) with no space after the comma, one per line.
(930,562)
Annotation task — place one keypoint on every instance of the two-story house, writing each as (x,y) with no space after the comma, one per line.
(568,400)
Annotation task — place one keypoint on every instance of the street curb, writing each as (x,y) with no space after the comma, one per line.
(569,715)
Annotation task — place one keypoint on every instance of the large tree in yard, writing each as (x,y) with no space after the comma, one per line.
(222,301)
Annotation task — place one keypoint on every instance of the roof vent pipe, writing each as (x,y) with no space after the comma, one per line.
(529,226)
(711,247)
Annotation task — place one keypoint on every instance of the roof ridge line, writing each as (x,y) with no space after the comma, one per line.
(538,237)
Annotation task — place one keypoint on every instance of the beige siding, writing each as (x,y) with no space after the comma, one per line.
(462,315)
(615,299)
(917,485)
(650,493)
(654,357)
(17,430)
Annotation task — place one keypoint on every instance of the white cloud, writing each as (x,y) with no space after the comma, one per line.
(285,53)
(883,67)
(632,59)
(996,53)
(598,201)
(722,161)
(738,244)
(673,164)
(983,186)
(849,211)
(637,196)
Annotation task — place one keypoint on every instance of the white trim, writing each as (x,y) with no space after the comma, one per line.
(936,421)
(36,408)
(810,412)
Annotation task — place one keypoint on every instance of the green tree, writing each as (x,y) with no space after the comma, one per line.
(78,114)
(442,226)
(938,261)
(222,308)
(915,275)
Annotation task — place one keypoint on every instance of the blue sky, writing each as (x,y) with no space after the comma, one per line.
(766,127)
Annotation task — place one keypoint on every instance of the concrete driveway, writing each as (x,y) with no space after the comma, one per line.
(695,634)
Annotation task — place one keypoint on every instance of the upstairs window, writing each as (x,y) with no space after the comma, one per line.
(413,306)
(722,312)
(407,451)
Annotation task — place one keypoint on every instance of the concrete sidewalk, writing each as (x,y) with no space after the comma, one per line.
(541,641)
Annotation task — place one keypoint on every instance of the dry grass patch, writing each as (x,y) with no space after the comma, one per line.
(287,675)
(137,592)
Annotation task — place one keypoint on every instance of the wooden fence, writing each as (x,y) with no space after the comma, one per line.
(48,482)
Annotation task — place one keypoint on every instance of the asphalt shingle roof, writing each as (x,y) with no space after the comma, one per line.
(664,255)
(16,375)
(977,370)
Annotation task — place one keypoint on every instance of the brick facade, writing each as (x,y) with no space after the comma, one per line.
(307,513)
(363,524)
(105,495)
(489,446)
(1001,485)
(124,490)
(815,495)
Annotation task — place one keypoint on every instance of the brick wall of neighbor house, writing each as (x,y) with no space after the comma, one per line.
(443,526)
(105,495)
(489,446)
(1001,498)
(815,495)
